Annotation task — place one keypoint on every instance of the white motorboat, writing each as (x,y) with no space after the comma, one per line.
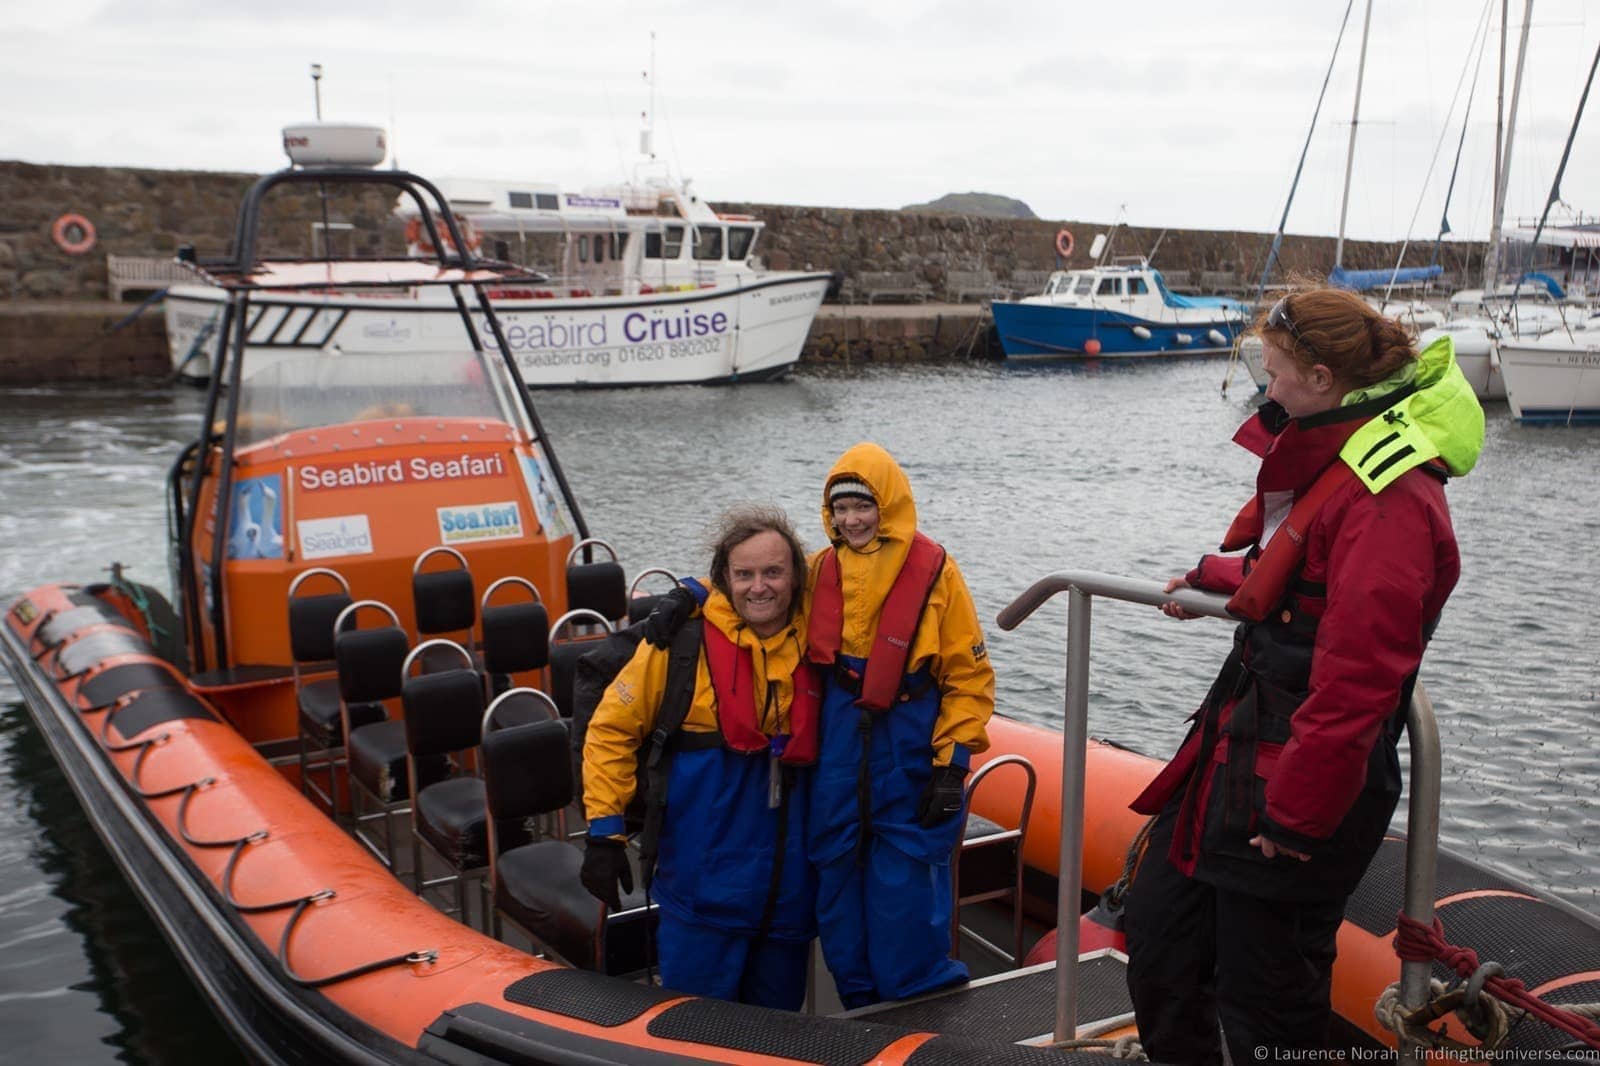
(646,286)
(1554,378)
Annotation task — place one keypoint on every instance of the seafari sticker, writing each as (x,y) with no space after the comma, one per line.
(322,538)
(482,521)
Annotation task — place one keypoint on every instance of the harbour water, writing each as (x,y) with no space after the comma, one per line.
(1019,471)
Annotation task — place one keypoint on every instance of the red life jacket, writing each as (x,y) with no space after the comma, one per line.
(1269,573)
(733,680)
(897,620)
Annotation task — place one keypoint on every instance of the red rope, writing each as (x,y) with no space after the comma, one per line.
(1415,942)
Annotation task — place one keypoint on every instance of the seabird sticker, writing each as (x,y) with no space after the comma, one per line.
(483,521)
(323,538)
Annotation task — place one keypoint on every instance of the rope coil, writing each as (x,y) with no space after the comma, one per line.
(1481,1002)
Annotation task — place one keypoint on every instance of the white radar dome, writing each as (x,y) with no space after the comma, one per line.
(326,144)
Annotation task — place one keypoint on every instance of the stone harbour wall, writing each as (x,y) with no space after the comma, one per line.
(153,212)
(59,325)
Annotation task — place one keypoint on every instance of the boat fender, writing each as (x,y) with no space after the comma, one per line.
(1217,337)
(418,236)
(1099,928)
(1064,243)
(1091,346)
(1142,332)
(1183,338)
(73,234)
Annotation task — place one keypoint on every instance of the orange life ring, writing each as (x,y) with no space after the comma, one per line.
(73,234)
(1064,243)
(418,236)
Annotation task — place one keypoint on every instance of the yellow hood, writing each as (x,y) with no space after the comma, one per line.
(867,576)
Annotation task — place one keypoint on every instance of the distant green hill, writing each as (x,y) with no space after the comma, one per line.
(976,203)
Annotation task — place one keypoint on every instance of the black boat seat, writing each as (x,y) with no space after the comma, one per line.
(450,818)
(378,762)
(516,637)
(444,717)
(639,604)
(319,713)
(312,621)
(537,885)
(565,652)
(601,587)
(444,602)
(527,774)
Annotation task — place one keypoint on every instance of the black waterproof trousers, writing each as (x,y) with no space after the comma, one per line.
(1197,953)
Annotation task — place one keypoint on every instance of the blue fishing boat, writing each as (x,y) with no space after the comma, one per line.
(1121,309)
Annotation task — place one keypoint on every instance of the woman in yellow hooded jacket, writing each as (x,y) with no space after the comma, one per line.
(907,695)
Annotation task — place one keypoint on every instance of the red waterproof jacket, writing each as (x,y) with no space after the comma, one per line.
(1337,661)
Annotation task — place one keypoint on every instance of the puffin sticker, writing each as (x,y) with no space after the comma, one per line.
(255,525)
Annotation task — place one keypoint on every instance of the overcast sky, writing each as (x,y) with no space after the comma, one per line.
(1190,113)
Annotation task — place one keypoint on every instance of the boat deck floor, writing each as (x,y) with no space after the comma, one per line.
(1018,1006)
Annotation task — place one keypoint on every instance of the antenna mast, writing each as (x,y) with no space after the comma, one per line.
(316,87)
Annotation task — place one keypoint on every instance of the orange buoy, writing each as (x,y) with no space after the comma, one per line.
(1091,346)
(73,234)
(1064,243)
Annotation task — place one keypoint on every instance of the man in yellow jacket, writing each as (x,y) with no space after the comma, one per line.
(737,896)
(908,695)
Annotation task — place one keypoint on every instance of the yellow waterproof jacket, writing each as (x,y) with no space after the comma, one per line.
(627,713)
(948,636)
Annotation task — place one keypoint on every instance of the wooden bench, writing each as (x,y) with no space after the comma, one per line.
(873,285)
(137,273)
(959,284)
(1028,282)
(1221,283)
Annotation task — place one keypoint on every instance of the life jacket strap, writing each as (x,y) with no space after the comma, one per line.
(1280,560)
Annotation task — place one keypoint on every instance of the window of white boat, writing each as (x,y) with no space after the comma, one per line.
(583,247)
(1085,286)
(1137,287)
(708,242)
(1109,287)
(326,389)
(739,240)
(665,243)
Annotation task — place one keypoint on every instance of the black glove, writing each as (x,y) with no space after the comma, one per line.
(941,798)
(667,617)
(605,866)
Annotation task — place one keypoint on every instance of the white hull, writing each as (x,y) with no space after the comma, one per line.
(1553,379)
(750,331)
(1476,354)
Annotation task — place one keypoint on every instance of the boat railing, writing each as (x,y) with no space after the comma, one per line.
(1422,826)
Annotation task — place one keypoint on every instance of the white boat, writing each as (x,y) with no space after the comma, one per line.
(647,287)
(1554,378)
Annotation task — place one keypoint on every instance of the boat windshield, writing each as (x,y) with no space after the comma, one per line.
(327,389)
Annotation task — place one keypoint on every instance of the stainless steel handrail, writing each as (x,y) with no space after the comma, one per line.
(1422,817)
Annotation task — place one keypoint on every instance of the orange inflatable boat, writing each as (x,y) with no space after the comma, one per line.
(299,817)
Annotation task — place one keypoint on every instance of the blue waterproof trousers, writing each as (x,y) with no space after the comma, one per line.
(883,882)
(740,967)
(737,894)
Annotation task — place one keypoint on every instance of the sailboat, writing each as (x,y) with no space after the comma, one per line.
(1555,377)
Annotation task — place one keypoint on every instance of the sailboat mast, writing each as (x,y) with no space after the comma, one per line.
(1561,168)
(1355,120)
(1491,261)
